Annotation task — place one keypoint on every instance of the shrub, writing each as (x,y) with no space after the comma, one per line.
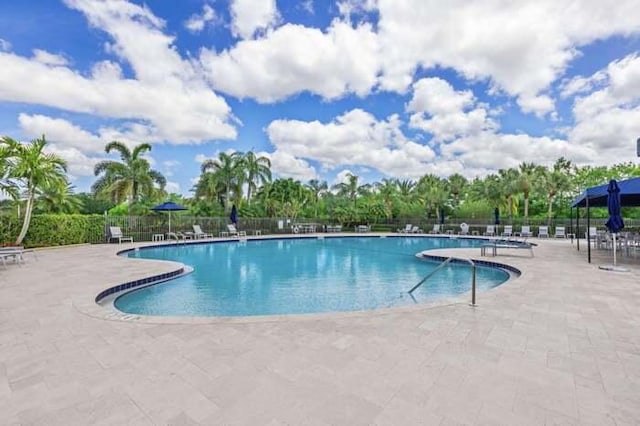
(54,229)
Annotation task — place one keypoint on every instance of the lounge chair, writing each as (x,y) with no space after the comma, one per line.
(406,230)
(560,232)
(14,253)
(491,231)
(436,229)
(416,230)
(234,231)
(464,229)
(525,231)
(198,233)
(543,232)
(508,231)
(116,233)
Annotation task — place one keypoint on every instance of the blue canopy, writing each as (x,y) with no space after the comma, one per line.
(597,195)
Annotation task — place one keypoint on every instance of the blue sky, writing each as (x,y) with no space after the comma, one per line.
(377,88)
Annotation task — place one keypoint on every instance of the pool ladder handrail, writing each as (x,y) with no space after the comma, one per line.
(442,265)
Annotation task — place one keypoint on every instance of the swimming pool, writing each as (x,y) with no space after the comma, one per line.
(302,275)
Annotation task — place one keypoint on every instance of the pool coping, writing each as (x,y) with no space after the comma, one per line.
(103,306)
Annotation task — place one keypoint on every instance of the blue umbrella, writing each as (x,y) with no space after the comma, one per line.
(234,215)
(441,216)
(169,206)
(615,222)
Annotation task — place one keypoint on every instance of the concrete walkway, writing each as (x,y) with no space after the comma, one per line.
(559,345)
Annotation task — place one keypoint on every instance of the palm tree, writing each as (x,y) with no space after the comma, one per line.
(57,197)
(129,179)
(555,181)
(529,172)
(258,171)
(509,184)
(388,191)
(36,170)
(7,185)
(317,188)
(351,189)
(457,185)
(228,169)
(433,193)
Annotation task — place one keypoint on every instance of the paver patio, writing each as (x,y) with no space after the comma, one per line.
(558,345)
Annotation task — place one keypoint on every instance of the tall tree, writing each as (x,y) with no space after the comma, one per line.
(457,186)
(350,189)
(509,186)
(130,179)
(35,169)
(58,197)
(228,170)
(317,188)
(433,193)
(554,182)
(529,172)
(258,172)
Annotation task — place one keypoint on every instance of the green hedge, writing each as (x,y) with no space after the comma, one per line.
(54,229)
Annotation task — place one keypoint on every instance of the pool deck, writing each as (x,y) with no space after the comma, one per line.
(558,345)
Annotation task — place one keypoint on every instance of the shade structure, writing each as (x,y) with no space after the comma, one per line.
(615,222)
(234,215)
(597,196)
(168,206)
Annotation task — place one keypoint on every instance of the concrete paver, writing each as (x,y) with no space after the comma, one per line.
(558,345)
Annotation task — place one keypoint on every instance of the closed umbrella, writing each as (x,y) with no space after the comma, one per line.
(615,222)
(496,219)
(169,206)
(234,215)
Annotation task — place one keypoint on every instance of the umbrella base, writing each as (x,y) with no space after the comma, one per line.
(613,268)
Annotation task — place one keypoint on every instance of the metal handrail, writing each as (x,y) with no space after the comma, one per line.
(442,265)
(430,274)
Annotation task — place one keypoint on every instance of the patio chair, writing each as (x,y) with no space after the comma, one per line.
(508,231)
(234,231)
(199,233)
(116,233)
(491,231)
(406,230)
(525,231)
(416,230)
(464,229)
(592,235)
(436,229)
(543,232)
(560,232)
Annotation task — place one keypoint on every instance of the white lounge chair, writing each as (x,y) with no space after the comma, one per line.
(491,231)
(543,232)
(436,229)
(560,232)
(508,231)
(199,233)
(116,233)
(464,229)
(234,231)
(406,230)
(525,231)
(415,230)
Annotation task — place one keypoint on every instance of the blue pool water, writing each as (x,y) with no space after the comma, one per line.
(292,276)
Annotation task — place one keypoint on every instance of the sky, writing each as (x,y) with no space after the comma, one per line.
(324,88)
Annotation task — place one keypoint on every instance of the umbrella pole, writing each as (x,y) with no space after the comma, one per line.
(614,249)
(169,222)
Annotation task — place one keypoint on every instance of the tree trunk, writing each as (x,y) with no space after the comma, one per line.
(27,219)
(526,209)
(549,210)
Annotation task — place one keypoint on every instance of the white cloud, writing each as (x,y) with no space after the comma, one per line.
(4,45)
(251,16)
(172,187)
(167,101)
(342,177)
(285,165)
(354,138)
(47,58)
(521,48)
(62,132)
(197,22)
(450,113)
(307,5)
(607,120)
(77,162)
(293,59)
(348,7)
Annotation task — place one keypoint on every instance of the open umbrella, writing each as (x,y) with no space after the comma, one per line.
(169,206)
(615,222)
(234,215)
